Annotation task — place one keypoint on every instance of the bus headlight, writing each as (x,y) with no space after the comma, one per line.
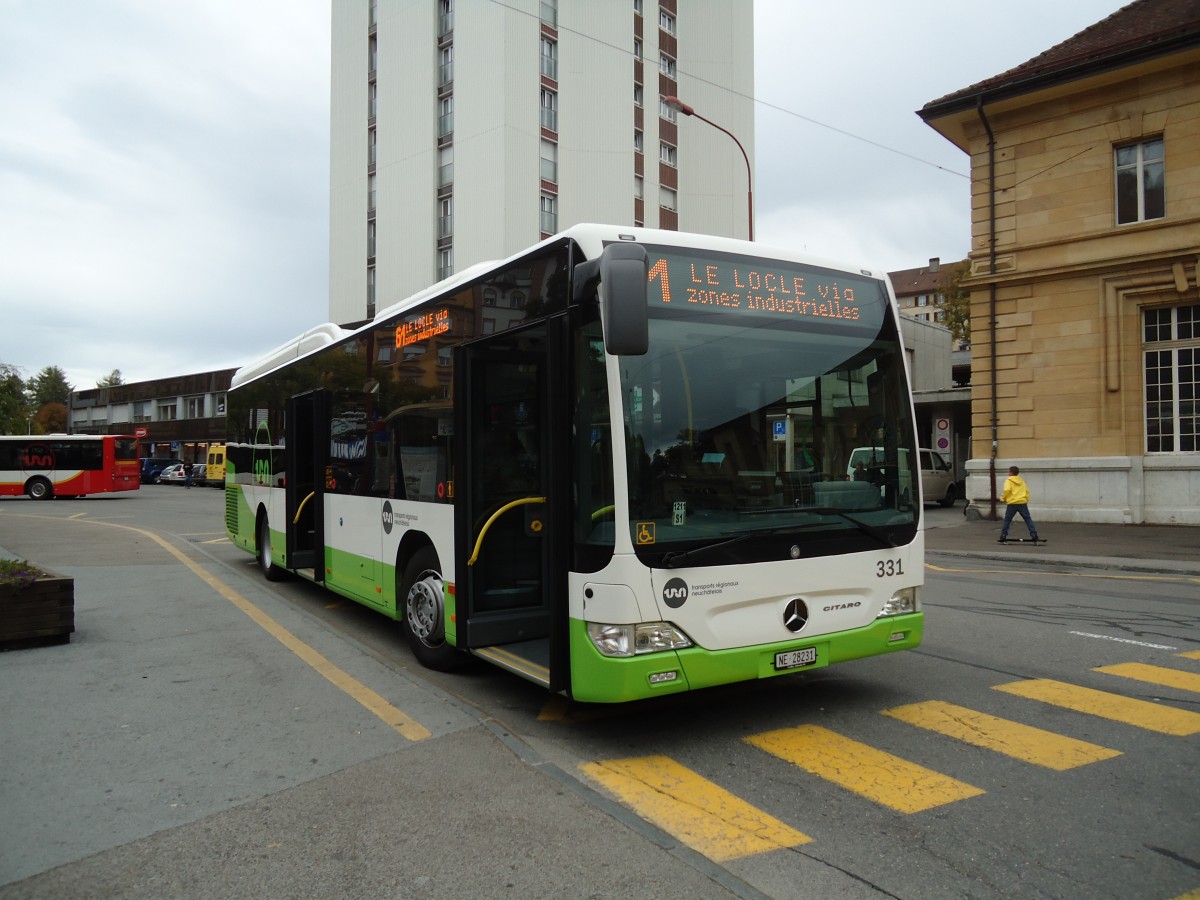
(634,640)
(902,602)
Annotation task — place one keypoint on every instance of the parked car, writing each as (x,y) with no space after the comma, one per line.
(937,479)
(152,467)
(175,475)
(173,472)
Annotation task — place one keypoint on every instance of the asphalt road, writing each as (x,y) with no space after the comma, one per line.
(1041,743)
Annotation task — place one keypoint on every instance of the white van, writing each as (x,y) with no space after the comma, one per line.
(937,479)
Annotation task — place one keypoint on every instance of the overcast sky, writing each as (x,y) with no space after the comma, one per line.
(164,166)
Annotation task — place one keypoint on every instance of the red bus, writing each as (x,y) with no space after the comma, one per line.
(68,465)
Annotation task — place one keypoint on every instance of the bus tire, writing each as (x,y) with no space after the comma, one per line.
(422,601)
(262,550)
(39,489)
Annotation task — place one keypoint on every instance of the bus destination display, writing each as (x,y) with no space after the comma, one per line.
(750,287)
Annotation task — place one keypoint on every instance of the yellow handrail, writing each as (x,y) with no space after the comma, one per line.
(300,508)
(494,516)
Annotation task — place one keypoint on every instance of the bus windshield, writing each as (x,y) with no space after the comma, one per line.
(762,380)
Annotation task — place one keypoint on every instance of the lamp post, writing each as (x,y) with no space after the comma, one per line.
(676,103)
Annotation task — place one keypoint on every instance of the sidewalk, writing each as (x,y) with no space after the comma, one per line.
(1165,549)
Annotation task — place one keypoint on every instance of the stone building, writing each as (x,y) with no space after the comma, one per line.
(1085,254)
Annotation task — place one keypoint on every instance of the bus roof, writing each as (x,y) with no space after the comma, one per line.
(591,239)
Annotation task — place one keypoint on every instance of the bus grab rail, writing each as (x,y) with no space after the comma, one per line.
(523,501)
(300,508)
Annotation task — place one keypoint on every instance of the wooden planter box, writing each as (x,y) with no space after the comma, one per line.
(37,614)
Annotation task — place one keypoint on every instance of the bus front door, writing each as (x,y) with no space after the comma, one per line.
(511,451)
(305,452)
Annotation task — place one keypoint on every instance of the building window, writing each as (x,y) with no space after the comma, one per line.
(639,188)
(372,99)
(666,65)
(549,13)
(445,263)
(1141,195)
(549,214)
(445,17)
(445,65)
(371,239)
(1172,359)
(667,199)
(371,192)
(639,142)
(637,48)
(372,53)
(549,110)
(638,93)
(220,404)
(445,166)
(549,171)
(637,7)
(666,111)
(666,153)
(370,289)
(167,412)
(445,217)
(371,139)
(446,115)
(666,21)
(141,411)
(549,58)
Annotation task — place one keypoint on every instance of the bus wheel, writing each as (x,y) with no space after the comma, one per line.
(266,559)
(39,489)
(424,606)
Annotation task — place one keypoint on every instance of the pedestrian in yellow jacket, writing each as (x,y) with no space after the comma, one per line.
(1016,495)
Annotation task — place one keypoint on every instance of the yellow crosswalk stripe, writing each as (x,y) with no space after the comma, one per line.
(1176,678)
(692,809)
(1139,713)
(1023,742)
(886,779)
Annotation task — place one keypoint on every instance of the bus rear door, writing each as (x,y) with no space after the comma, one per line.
(511,462)
(305,454)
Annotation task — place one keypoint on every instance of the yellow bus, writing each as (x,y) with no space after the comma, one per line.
(214,474)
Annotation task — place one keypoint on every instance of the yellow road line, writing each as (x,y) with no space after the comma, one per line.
(1139,713)
(1023,742)
(367,698)
(1176,678)
(692,809)
(1191,654)
(886,779)
(1043,573)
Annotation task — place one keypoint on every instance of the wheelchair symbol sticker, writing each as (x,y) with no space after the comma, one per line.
(645,532)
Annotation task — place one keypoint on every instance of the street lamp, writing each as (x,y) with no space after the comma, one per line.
(676,103)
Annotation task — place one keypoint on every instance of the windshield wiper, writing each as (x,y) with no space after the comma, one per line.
(676,558)
(865,527)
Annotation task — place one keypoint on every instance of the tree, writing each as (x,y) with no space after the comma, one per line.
(112,379)
(48,386)
(956,299)
(13,416)
(51,419)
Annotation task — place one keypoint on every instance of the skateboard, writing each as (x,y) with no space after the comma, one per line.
(1040,540)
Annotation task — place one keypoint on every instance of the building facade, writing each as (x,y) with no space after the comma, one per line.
(178,417)
(465,130)
(1085,260)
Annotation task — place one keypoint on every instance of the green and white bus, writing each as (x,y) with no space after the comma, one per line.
(614,464)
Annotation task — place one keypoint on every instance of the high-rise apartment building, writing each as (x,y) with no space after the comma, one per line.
(465,130)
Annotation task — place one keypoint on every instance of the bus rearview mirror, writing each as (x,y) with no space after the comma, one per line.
(623,271)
